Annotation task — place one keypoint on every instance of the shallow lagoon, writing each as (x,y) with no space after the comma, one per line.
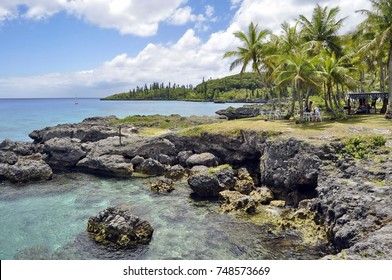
(49,220)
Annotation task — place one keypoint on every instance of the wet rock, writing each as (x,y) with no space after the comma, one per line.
(114,165)
(235,201)
(119,228)
(206,159)
(163,185)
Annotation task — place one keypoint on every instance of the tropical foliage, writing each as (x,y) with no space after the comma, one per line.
(312,57)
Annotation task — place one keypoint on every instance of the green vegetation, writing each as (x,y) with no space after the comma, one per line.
(235,87)
(361,147)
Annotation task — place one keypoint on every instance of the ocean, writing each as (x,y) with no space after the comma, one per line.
(19,117)
(48,220)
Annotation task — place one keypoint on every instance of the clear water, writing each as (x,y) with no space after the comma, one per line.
(19,117)
(49,220)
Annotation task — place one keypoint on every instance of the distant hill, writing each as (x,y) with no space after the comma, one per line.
(234,87)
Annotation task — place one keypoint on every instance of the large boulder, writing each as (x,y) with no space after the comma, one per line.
(26,169)
(63,152)
(114,165)
(151,167)
(119,228)
(206,159)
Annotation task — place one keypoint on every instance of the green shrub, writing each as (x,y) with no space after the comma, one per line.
(361,147)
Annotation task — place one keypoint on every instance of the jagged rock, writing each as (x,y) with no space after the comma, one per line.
(175,172)
(151,147)
(8,157)
(206,159)
(115,165)
(235,201)
(244,182)
(20,148)
(225,176)
(239,113)
(26,169)
(90,130)
(63,152)
(119,228)
(262,195)
(151,167)
(290,169)
(163,185)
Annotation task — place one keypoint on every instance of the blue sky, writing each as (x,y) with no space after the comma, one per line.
(94,48)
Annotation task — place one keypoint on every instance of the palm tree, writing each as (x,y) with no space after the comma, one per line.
(251,51)
(298,70)
(379,19)
(321,31)
(336,71)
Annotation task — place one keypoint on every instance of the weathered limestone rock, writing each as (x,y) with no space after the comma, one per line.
(63,152)
(119,228)
(206,159)
(244,182)
(115,165)
(235,201)
(26,169)
(290,169)
(262,195)
(183,156)
(277,203)
(163,185)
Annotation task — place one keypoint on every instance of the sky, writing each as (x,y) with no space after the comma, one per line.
(95,48)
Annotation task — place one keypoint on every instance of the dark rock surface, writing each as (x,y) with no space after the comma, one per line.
(114,165)
(206,159)
(239,113)
(119,228)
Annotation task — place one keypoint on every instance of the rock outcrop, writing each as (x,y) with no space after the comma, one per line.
(119,228)
(239,113)
(22,162)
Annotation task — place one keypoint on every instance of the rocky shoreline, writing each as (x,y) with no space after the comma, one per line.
(248,173)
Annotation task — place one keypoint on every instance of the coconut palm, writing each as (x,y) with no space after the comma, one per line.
(336,71)
(298,70)
(321,31)
(252,50)
(379,20)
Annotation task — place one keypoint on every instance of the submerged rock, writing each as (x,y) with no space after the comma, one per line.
(119,228)
(163,185)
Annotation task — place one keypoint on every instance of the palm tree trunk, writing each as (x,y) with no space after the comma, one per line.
(382,77)
(388,113)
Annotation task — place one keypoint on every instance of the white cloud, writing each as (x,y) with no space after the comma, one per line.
(272,13)
(140,18)
(186,61)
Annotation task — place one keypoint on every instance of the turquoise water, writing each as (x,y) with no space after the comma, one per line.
(49,220)
(21,116)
